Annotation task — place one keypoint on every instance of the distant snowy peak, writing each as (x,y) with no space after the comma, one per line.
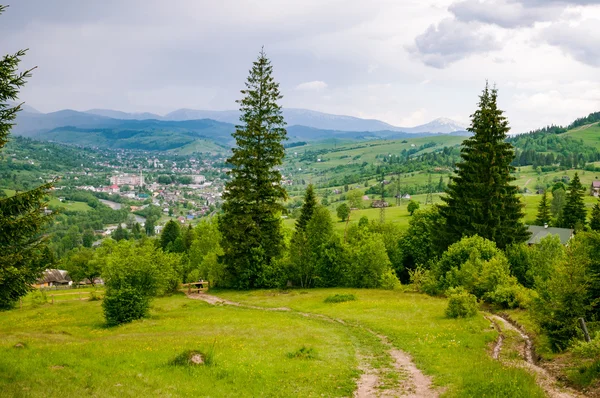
(441,125)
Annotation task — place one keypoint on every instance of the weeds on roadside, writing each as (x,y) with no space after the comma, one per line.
(340,298)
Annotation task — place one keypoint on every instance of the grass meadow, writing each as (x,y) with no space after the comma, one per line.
(67,350)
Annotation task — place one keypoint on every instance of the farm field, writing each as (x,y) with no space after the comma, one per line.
(54,202)
(399,214)
(69,352)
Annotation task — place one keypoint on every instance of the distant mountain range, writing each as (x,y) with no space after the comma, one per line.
(295,117)
(181,128)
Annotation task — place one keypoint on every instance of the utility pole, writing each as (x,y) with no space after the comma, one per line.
(429,198)
(382,209)
(398,191)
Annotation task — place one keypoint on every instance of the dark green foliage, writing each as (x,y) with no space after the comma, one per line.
(574,214)
(480,199)
(368,265)
(303,353)
(308,249)
(21,216)
(149,225)
(595,217)
(81,265)
(251,222)
(340,298)
(418,244)
(169,234)
(188,238)
(343,211)
(413,206)
(543,216)
(567,294)
(518,256)
(88,238)
(120,233)
(461,304)
(136,231)
(363,222)
(558,202)
(308,208)
(124,305)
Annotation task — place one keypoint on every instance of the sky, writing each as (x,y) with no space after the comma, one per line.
(405,62)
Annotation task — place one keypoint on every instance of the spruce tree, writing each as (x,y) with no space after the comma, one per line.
(251,221)
(308,208)
(22,220)
(169,234)
(480,199)
(574,214)
(595,217)
(543,216)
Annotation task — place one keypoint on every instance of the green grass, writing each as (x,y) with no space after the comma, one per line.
(67,350)
(69,205)
(590,135)
(453,351)
(70,353)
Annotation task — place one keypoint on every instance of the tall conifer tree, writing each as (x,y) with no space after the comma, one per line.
(595,217)
(543,216)
(22,220)
(251,223)
(308,208)
(480,199)
(574,214)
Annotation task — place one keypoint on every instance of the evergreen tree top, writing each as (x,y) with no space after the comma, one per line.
(308,208)
(480,199)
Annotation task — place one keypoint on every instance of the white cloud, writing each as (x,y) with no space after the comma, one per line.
(316,85)
(580,40)
(452,40)
(151,55)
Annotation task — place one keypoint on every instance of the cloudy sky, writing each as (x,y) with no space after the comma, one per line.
(402,61)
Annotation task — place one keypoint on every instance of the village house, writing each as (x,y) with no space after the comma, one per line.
(595,189)
(379,204)
(53,277)
(540,232)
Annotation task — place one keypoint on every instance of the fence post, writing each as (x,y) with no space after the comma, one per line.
(52,299)
(586,334)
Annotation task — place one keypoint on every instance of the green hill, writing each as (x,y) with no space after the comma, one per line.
(589,134)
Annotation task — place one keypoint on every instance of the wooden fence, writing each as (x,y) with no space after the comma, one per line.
(195,287)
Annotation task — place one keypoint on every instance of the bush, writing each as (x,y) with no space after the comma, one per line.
(461,304)
(94,296)
(510,296)
(340,298)
(389,280)
(418,277)
(303,353)
(587,350)
(39,297)
(124,305)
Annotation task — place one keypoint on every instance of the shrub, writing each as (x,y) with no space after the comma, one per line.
(587,350)
(340,298)
(194,358)
(389,280)
(39,297)
(303,353)
(94,296)
(461,304)
(124,305)
(510,296)
(417,277)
